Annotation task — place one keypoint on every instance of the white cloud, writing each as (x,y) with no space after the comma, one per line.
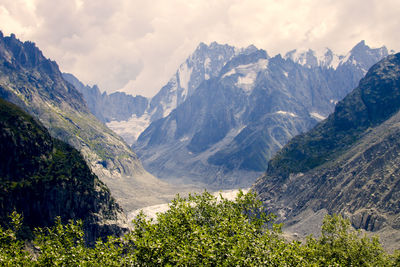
(138,45)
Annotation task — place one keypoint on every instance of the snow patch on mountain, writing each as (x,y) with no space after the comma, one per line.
(247,74)
(327,58)
(131,129)
(286,113)
(247,82)
(317,116)
(335,61)
(297,56)
(229,73)
(346,58)
(207,64)
(184,139)
(184,74)
(169,106)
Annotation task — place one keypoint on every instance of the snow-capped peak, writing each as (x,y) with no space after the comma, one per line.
(184,73)
(310,58)
(363,56)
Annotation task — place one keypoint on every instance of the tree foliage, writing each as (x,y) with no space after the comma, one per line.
(200,230)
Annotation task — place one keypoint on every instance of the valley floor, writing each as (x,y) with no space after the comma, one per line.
(151,211)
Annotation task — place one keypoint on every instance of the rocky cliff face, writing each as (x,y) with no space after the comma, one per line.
(35,83)
(225,132)
(347,164)
(42,178)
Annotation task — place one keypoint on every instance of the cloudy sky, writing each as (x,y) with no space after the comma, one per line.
(138,45)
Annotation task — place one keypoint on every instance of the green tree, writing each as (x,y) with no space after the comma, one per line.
(12,248)
(61,244)
(200,230)
(203,230)
(339,244)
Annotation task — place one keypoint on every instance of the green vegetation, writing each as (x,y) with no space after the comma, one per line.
(42,177)
(200,230)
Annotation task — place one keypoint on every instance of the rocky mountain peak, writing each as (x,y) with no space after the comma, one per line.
(360,55)
(24,54)
(364,56)
(205,62)
(247,50)
(18,56)
(360,46)
(244,59)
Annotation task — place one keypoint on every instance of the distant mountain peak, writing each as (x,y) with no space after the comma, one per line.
(359,49)
(310,58)
(360,45)
(364,56)
(360,54)
(205,62)
(215,44)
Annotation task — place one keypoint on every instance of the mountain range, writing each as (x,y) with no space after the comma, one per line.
(130,115)
(348,164)
(35,83)
(225,131)
(226,111)
(225,117)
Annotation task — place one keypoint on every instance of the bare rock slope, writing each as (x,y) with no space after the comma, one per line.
(347,164)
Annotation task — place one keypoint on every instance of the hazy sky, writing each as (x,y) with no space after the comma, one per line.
(138,45)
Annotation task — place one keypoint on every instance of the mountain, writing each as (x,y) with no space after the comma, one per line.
(225,132)
(348,163)
(112,108)
(108,107)
(130,115)
(36,84)
(205,63)
(42,177)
